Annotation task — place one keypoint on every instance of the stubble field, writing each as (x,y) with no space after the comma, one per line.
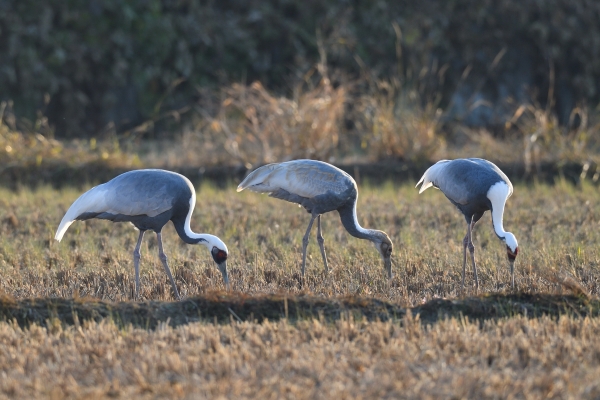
(308,354)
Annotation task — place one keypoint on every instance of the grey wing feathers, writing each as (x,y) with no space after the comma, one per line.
(138,197)
(442,177)
(305,178)
(89,199)
(494,168)
(145,192)
(257,177)
(462,179)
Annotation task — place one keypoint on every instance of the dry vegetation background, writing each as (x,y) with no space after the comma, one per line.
(245,126)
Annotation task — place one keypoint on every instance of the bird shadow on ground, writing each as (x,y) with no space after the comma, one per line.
(222,307)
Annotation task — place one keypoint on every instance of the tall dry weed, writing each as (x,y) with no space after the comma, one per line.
(259,127)
(392,124)
(546,140)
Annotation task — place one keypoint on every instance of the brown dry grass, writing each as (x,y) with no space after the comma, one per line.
(361,121)
(514,358)
(556,227)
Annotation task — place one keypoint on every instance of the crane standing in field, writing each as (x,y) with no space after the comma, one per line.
(474,186)
(148,199)
(319,188)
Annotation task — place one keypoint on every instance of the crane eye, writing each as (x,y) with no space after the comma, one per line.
(512,255)
(218,255)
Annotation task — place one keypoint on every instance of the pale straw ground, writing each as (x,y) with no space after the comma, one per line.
(559,357)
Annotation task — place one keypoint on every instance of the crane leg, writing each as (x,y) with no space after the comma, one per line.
(163,258)
(512,274)
(472,251)
(136,263)
(465,243)
(305,243)
(322,243)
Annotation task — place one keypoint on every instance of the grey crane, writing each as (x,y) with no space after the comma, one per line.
(319,188)
(474,186)
(148,199)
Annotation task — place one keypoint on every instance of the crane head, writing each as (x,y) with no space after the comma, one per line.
(512,255)
(384,245)
(512,247)
(220,257)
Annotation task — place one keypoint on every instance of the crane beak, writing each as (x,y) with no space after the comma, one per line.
(387,263)
(512,271)
(223,268)
(511,260)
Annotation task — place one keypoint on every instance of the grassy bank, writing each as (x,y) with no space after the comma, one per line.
(220,307)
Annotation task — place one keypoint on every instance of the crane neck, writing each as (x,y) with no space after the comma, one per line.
(186,234)
(350,222)
(497,194)
(497,221)
(182,226)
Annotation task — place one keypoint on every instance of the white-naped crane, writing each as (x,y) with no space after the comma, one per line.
(319,187)
(148,199)
(474,186)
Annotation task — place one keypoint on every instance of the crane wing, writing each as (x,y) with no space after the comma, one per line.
(305,178)
(490,166)
(463,179)
(126,194)
(134,196)
(442,176)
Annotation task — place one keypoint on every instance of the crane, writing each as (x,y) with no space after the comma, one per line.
(319,187)
(148,199)
(474,186)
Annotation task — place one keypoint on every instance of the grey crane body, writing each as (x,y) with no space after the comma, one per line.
(466,183)
(137,197)
(319,188)
(474,186)
(344,203)
(149,199)
(320,204)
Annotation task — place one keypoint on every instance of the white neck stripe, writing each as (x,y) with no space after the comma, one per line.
(206,239)
(498,193)
(188,218)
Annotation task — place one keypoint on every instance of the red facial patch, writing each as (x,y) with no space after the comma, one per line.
(511,255)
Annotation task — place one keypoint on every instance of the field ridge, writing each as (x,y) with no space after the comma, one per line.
(221,307)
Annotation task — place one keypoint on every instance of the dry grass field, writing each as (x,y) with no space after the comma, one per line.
(557,229)
(511,358)
(308,356)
